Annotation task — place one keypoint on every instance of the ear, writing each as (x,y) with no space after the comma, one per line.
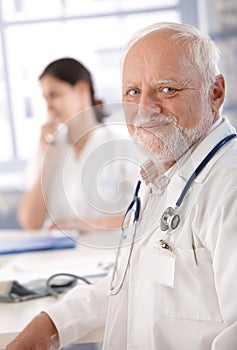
(217,94)
(82,86)
(84,93)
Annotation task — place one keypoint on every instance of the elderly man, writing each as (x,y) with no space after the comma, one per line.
(175,286)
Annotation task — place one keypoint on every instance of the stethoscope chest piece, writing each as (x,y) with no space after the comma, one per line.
(169,220)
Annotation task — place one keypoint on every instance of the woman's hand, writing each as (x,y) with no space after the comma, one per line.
(47,134)
(52,133)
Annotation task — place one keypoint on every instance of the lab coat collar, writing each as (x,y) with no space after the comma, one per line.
(190,161)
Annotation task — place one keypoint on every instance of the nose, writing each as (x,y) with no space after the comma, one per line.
(155,106)
(49,105)
(149,100)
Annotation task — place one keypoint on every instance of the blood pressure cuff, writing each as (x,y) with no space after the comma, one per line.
(13,291)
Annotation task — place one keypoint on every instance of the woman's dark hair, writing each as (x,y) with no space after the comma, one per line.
(71,71)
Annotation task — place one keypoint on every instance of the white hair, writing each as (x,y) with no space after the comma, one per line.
(202,49)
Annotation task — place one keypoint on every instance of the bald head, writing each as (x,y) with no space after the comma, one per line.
(200,48)
(169,99)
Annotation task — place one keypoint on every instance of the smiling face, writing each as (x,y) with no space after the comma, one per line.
(165,104)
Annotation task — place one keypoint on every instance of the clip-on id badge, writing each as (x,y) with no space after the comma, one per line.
(157,265)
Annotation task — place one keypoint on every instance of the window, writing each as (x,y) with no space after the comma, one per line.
(6,151)
(35,32)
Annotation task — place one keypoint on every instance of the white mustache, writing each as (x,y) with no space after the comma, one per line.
(141,120)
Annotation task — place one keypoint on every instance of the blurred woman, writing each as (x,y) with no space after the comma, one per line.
(78,179)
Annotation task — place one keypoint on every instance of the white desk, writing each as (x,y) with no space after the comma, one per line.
(94,250)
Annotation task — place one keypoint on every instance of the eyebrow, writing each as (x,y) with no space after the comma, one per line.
(165,81)
(127,85)
(157,83)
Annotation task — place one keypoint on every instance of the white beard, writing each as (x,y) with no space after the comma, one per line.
(171,144)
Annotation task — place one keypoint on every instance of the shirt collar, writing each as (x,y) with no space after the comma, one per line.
(150,174)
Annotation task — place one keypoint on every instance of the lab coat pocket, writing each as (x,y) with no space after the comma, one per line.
(157,266)
(194,294)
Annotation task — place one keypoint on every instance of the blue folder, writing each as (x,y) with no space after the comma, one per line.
(18,245)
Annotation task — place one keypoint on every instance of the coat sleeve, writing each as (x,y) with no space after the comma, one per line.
(223,238)
(81,311)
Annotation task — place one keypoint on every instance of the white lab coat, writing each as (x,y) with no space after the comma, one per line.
(167,301)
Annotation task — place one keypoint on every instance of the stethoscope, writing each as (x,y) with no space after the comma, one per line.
(169,220)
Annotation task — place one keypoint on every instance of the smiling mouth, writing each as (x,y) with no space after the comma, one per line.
(151,125)
(154,125)
(155,122)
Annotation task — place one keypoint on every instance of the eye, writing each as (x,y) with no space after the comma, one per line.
(133,92)
(53,95)
(168,90)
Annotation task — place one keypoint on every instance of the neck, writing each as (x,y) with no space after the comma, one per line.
(87,124)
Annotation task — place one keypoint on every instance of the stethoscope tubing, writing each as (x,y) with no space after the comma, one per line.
(202,165)
(136,200)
